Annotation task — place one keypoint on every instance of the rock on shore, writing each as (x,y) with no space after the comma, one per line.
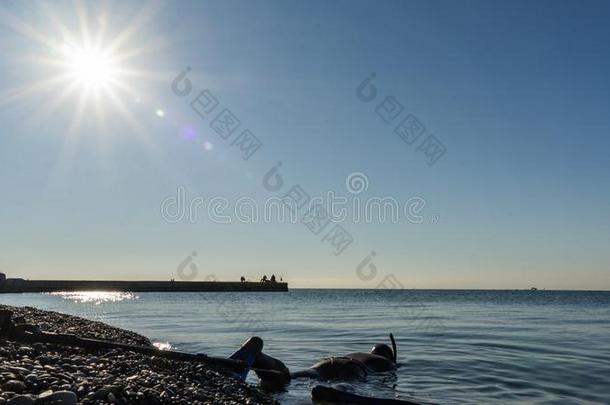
(54,374)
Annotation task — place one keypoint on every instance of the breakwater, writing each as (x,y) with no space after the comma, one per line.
(44,286)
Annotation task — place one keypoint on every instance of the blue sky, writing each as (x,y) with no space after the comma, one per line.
(518,93)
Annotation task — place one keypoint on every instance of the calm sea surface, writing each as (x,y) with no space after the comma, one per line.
(466,347)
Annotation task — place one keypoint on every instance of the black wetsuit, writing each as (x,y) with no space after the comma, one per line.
(351,365)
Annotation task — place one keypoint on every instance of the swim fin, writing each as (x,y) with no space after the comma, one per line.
(248,353)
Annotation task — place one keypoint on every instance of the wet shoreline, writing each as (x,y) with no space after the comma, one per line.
(44,373)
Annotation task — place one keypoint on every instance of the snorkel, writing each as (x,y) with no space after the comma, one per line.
(394,353)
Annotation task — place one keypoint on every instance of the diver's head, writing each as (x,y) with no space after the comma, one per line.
(383,350)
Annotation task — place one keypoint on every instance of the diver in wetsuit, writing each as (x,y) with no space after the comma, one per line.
(273,373)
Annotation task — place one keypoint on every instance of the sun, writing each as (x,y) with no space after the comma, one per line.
(87,72)
(92,68)
(84,65)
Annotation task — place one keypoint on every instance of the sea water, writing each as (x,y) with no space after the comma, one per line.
(454,346)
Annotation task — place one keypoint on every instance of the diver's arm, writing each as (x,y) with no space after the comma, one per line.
(271,371)
(264,361)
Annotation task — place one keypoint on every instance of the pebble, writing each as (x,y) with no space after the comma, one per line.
(14,386)
(57,398)
(20,400)
(45,374)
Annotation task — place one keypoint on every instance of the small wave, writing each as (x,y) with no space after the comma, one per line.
(163,345)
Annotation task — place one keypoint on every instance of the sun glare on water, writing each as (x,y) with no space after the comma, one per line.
(96,297)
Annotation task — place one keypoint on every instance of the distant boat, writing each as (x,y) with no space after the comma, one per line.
(533,289)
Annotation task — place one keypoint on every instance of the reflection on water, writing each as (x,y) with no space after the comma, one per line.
(163,345)
(454,347)
(95,297)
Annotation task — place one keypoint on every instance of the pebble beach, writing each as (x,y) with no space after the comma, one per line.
(57,374)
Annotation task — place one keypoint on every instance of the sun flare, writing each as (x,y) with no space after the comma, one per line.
(92,68)
(84,65)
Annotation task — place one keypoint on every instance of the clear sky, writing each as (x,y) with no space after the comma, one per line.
(93,139)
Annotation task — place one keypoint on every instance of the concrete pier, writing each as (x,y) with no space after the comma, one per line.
(17,285)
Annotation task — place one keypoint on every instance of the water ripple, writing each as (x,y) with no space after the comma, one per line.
(455,347)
